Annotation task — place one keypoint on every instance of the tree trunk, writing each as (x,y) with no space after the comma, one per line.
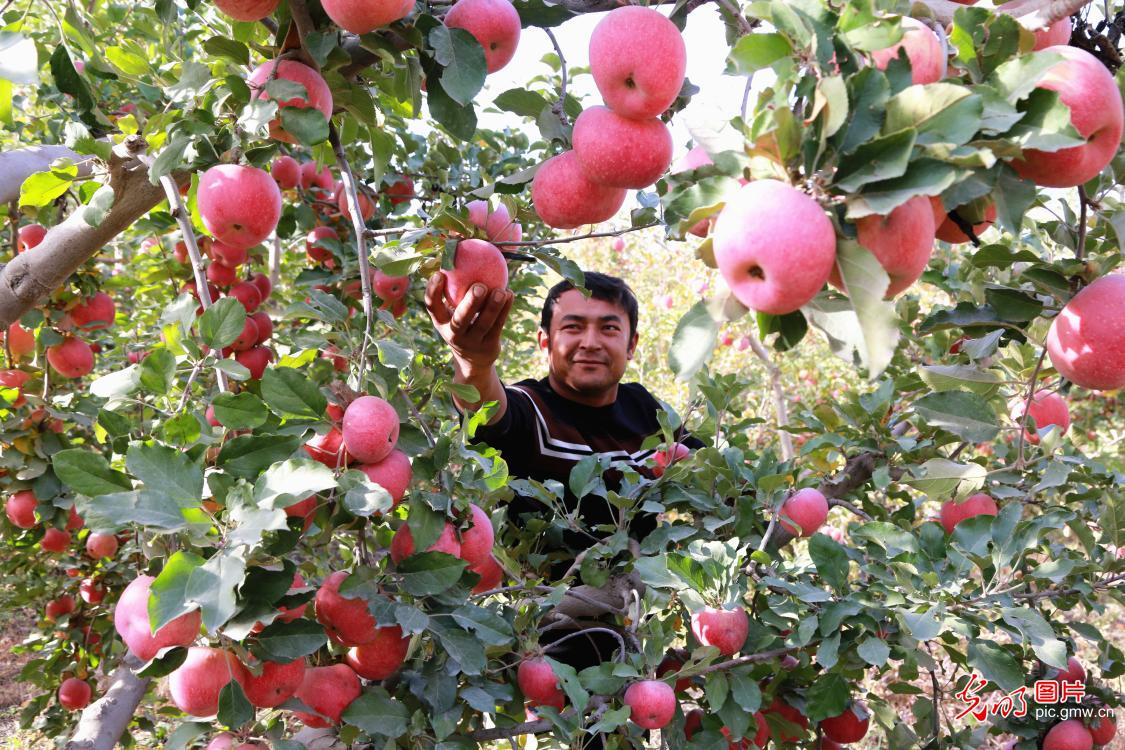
(103,721)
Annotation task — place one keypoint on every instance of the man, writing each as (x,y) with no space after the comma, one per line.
(542,428)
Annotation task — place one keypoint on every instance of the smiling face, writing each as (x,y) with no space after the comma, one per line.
(588,348)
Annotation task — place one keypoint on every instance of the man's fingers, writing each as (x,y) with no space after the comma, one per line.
(435,299)
(468,308)
(489,314)
(496,329)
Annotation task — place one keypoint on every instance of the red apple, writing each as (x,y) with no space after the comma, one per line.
(54,540)
(317,94)
(75,694)
(565,198)
(664,458)
(264,324)
(923,49)
(312,177)
(382,657)
(1056,33)
(538,683)
(638,60)
(72,358)
(475,262)
(850,726)
(1102,730)
(1046,410)
(491,575)
(275,685)
(60,607)
(370,429)
(329,449)
(285,170)
(94,313)
(402,543)
(221,275)
(91,591)
(313,247)
(1068,735)
(953,513)
(195,686)
(248,337)
(725,629)
(327,691)
(230,256)
(620,152)
(790,714)
(21,341)
(495,24)
(20,509)
(28,236)
(247,10)
(390,288)
(400,190)
(15,379)
(775,246)
(902,242)
(393,474)
(1086,341)
(1090,92)
(346,620)
(101,546)
(807,508)
(981,214)
(130,618)
(363,16)
(239,205)
(255,359)
(498,225)
(366,205)
(248,294)
(651,703)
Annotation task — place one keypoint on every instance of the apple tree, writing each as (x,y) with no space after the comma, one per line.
(240,493)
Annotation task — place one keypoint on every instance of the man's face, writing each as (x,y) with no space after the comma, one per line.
(589,344)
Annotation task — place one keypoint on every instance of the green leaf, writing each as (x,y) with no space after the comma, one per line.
(790,329)
(1038,633)
(169,599)
(874,651)
(248,455)
(232,50)
(940,477)
(955,377)
(966,415)
(290,394)
(213,586)
(88,473)
(234,709)
(490,627)
(430,573)
(158,370)
(377,713)
(923,626)
(753,52)
(67,79)
(170,158)
(221,323)
(42,188)
(693,341)
(828,696)
(167,471)
(462,59)
(307,124)
(938,112)
(462,647)
(880,159)
(831,560)
(995,664)
(460,120)
(128,61)
(99,205)
(240,411)
(151,509)
(290,481)
(118,383)
(523,102)
(283,642)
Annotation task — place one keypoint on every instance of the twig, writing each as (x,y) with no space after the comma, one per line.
(577,237)
(584,631)
(1083,202)
(1027,407)
(275,258)
(360,241)
(855,510)
(559,107)
(745,26)
(779,407)
(181,215)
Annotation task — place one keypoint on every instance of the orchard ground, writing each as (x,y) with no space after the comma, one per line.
(810,375)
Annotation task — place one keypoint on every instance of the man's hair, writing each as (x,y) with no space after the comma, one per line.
(602,286)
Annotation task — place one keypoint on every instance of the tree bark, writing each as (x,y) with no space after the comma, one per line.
(33,275)
(103,721)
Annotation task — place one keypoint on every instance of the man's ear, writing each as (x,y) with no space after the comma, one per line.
(632,346)
(543,339)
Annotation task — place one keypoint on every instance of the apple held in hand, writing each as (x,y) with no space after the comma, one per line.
(316,94)
(1090,92)
(239,205)
(475,262)
(953,513)
(493,23)
(619,152)
(565,198)
(638,60)
(1086,341)
(725,629)
(774,246)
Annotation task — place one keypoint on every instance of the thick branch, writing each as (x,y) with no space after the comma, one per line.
(16,166)
(1033,14)
(104,721)
(33,275)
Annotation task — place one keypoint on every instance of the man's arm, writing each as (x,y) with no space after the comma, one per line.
(473,330)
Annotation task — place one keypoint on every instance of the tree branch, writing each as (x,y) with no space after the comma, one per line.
(1033,14)
(16,166)
(33,275)
(577,237)
(779,407)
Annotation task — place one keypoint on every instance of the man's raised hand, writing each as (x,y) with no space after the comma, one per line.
(473,328)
